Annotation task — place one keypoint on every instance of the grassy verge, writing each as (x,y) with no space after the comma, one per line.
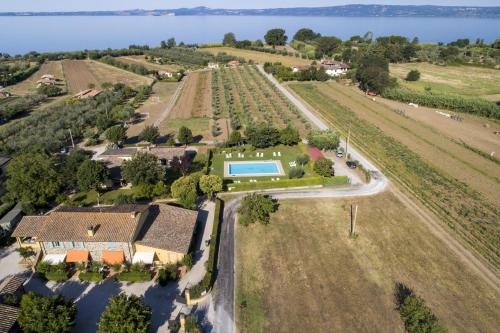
(309,181)
(133,276)
(461,208)
(90,277)
(56,276)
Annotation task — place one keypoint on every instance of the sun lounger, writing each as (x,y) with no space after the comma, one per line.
(274,154)
(279,154)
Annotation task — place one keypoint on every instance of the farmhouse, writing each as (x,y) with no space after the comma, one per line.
(213,65)
(233,63)
(165,154)
(150,234)
(87,93)
(165,74)
(334,68)
(46,82)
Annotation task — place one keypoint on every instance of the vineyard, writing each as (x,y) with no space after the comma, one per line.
(246,97)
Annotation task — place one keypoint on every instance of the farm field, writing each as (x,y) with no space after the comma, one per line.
(318,279)
(140,60)
(458,184)
(80,73)
(462,80)
(153,108)
(258,57)
(29,85)
(246,97)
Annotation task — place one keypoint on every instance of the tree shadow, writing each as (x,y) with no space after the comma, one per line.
(201,313)
(401,292)
(162,302)
(70,290)
(196,244)
(91,304)
(132,140)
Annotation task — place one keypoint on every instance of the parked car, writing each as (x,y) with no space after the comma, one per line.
(351,164)
(339,154)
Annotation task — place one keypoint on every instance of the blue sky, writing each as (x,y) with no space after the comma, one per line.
(71,5)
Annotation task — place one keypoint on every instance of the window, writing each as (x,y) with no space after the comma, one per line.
(79,245)
(69,245)
(55,245)
(112,245)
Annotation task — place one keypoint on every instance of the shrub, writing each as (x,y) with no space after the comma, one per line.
(302,159)
(256,208)
(413,75)
(50,91)
(297,172)
(187,261)
(328,139)
(91,277)
(133,276)
(56,276)
(169,273)
(323,167)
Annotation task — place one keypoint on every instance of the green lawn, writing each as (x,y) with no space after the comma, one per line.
(90,198)
(197,125)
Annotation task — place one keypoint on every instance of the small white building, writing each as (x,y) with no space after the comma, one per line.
(213,65)
(334,68)
(166,74)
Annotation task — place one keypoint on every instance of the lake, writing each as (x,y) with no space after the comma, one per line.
(49,33)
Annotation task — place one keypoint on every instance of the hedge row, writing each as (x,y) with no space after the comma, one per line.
(308,181)
(133,276)
(475,106)
(56,276)
(91,277)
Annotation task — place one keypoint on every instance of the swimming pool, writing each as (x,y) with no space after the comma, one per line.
(253,168)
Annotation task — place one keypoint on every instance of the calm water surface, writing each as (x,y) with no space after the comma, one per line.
(24,34)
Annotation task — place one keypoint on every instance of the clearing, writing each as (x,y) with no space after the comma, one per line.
(258,57)
(462,80)
(455,182)
(80,73)
(140,60)
(152,110)
(303,273)
(29,85)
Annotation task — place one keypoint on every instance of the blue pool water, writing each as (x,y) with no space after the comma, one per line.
(254,168)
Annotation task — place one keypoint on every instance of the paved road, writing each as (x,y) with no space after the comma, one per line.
(224,296)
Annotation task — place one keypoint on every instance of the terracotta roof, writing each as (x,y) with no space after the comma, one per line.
(160,152)
(12,283)
(168,228)
(29,226)
(8,317)
(111,224)
(113,257)
(77,256)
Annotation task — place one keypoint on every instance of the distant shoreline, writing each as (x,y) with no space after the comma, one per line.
(332,11)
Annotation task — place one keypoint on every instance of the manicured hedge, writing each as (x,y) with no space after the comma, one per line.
(475,106)
(309,181)
(56,276)
(91,277)
(133,276)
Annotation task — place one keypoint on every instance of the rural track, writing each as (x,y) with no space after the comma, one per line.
(170,104)
(225,284)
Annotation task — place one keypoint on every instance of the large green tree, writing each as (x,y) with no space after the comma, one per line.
(91,175)
(306,35)
(327,139)
(150,134)
(210,184)
(327,46)
(125,314)
(142,169)
(33,178)
(373,74)
(70,167)
(184,190)
(229,39)
(289,136)
(275,37)
(185,135)
(323,167)
(116,135)
(256,208)
(46,314)
(262,135)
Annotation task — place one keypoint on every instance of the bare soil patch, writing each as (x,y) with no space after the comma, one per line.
(140,60)
(195,99)
(107,73)
(318,279)
(78,75)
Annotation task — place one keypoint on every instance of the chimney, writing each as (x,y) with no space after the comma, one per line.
(90,231)
(133,215)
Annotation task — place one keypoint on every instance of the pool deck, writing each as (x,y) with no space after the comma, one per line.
(281,171)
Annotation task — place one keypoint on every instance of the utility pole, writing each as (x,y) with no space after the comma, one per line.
(71,136)
(353,219)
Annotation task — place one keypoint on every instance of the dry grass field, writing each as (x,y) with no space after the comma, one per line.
(29,85)
(459,184)
(258,57)
(140,60)
(154,106)
(303,273)
(461,80)
(80,73)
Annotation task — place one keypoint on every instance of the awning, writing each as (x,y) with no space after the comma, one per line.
(145,258)
(77,256)
(54,259)
(113,257)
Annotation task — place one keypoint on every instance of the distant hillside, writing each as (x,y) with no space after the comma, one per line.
(346,11)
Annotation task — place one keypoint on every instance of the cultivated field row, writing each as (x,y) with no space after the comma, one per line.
(464,209)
